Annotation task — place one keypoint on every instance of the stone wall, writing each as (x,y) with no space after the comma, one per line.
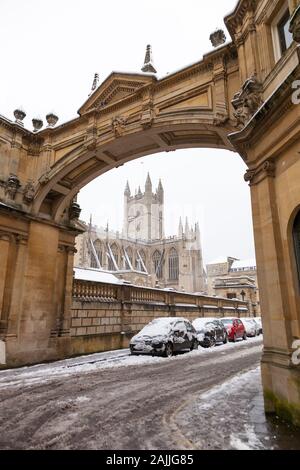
(106,316)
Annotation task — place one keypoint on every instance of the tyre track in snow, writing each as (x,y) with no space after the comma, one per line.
(118,408)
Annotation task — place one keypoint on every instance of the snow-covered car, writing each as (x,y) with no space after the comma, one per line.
(210,331)
(164,337)
(250,327)
(259,323)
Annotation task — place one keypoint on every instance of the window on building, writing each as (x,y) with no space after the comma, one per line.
(296,234)
(232,296)
(115,252)
(157,261)
(173,265)
(285,37)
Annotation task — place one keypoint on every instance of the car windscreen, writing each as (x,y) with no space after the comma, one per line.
(201,324)
(227,321)
(156,328)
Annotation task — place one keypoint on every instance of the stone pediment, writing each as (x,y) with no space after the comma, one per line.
(117,87)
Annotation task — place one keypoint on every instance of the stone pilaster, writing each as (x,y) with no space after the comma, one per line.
(5,239)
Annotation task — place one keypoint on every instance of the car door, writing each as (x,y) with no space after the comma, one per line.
(190,334)
(219,331)
(180,336)
(240,328)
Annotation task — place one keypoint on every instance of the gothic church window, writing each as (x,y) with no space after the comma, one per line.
(173,265)
(296,234)
(157,261)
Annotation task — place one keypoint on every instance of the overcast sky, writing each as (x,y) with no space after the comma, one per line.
(50,51)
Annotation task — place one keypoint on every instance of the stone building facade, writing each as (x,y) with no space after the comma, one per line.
(235,279)
(141,254)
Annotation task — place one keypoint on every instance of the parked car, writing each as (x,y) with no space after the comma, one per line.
(210,331)
(235,329)
(259,323)
(250,326)
(164,337)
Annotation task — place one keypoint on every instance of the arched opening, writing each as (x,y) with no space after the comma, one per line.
(296,237)
(158,264)
(173,265)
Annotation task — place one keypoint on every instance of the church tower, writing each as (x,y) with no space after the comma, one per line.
(144,213)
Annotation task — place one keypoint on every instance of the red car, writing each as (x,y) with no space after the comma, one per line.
(235,329)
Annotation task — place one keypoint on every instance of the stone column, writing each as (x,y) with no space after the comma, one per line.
(37,309)
(4,252)
(68,291)
(281,380)
(17,288)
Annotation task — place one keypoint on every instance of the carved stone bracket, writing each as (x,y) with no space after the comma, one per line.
(147,115)
(11,187)
(74,211)
(247,101)
(28,193)
(295,24)
(118,124)
(256,175)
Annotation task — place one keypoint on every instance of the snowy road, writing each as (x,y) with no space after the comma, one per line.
(112,400)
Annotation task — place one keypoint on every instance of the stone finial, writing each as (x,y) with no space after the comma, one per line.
(37,124)
(95,84)
(148,62)
(295,24)
(51,119)
(217,38)
(19,115)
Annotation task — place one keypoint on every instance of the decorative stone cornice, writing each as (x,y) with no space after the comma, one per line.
(270,111)
(264,170)
(5,236)
(234,19)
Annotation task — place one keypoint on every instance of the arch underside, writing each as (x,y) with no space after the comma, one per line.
(90,159)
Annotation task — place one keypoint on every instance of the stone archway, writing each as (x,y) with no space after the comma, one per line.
(238,98)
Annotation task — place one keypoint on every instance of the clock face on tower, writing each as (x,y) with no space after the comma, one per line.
(135,215)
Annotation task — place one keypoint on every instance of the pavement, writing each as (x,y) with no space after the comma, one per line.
(112,401)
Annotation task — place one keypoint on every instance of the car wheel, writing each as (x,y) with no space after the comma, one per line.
(225,340)
(212,342)
(169,350)
(245,337)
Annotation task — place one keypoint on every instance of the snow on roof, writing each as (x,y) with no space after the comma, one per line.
(96,276)
(244,263)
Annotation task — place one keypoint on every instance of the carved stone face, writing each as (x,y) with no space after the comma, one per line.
(12,186)
(29,192)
